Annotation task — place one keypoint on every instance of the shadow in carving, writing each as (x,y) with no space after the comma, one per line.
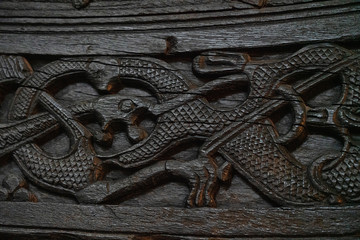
(252,118)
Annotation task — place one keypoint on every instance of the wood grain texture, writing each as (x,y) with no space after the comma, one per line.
(196,222)
(46,29)
(178,32)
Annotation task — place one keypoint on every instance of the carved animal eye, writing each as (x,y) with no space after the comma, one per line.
(126,105)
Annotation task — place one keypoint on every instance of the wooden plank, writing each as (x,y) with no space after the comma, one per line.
(313,22)
(328,28)
(212,16)
(168,22)
(197,222)
(10,233)
(64,9)
(182,28)
(23,8)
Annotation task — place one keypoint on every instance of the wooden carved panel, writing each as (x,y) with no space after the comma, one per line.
(219,140)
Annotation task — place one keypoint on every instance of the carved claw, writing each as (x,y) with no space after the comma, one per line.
(202,178)
(202,175)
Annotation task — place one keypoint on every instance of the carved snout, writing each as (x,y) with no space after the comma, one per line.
(112,109)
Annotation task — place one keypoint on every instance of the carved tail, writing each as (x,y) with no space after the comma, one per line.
(67,173)
(81,166)
(15,135)
(269,167)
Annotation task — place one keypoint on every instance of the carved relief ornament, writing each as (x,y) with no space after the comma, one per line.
(242,139)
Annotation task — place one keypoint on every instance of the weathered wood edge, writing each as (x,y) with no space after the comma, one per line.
(204,222)
(325,29)
(102,8)
(41,22)
(270,31)
(10,233)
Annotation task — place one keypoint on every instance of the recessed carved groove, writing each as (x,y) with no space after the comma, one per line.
(138,113)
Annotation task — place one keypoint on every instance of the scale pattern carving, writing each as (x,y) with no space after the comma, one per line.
(244,136)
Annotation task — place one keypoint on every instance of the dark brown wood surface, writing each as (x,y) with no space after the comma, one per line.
(112,28)
(215,55)
(311,222)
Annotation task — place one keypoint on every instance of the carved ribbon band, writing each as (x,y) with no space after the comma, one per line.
(243,138)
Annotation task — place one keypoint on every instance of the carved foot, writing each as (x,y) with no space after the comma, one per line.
(202,178)
(15,188)
(202,175)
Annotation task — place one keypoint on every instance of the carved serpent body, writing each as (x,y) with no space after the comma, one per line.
(244,136)
(80,167)
(277,173)
(254,151)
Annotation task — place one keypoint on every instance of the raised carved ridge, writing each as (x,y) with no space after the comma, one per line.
(244,138)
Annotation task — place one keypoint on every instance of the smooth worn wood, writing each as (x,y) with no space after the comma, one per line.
(196,222)
(120,35)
